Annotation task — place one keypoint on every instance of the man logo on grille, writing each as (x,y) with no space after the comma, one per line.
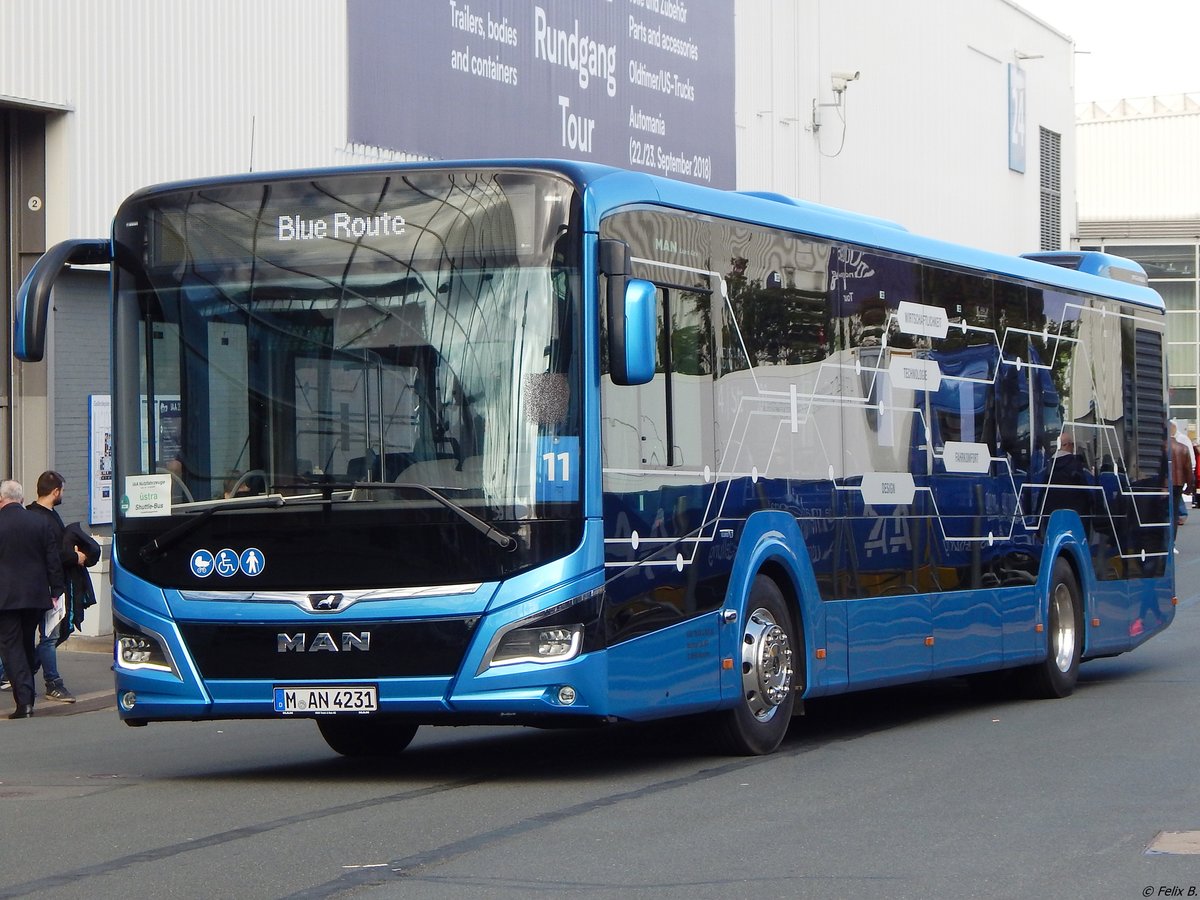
(323,642)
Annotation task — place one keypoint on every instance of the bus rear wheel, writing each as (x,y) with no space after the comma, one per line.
(758,722)
(376,735)
(1057,674)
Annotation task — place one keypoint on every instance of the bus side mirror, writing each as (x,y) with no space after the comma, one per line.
(32,304)
(632,317)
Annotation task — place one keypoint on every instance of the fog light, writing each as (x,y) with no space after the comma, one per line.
(566,695)
(128,700)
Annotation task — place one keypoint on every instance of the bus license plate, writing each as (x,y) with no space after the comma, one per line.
(326,699)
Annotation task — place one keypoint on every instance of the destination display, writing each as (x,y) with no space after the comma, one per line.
(641,84)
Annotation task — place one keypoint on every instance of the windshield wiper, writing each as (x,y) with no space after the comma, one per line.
(157,548)
(489,531)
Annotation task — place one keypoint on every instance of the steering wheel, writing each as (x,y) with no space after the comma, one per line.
(244,480)
(178,482)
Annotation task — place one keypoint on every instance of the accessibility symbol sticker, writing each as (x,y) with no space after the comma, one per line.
(226,563)
(202,563)
(252,561)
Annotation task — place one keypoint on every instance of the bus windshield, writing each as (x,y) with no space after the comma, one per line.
(391,357)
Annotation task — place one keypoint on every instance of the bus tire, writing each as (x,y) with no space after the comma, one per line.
(375,735)
(758,722)
(1056,675)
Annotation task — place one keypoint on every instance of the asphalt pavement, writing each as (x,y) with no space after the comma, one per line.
(86,662)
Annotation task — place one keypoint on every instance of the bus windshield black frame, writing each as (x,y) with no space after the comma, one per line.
(316,339)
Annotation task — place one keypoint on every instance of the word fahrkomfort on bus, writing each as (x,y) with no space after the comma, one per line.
(551,443)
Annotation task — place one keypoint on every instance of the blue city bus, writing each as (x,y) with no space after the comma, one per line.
(551,443)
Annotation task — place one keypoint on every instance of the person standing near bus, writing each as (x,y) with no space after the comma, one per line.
(50,487)
(1183,475)
(1196,469)
(30,576)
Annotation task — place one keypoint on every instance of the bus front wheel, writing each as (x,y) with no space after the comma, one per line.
(758,722)
(1056,675)
(376,735)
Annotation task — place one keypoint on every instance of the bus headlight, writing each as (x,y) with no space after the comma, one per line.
(136,649)
(555,635)
(557,643)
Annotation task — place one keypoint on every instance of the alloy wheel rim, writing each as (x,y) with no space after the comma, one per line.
(766,665)
(1064,628)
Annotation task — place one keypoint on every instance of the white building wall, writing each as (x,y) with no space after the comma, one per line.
(1137,161)
(159,91)
(925,138)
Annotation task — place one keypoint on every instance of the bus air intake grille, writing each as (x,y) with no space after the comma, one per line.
(326,651)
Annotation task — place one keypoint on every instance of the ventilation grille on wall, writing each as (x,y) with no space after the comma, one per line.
(1050,146)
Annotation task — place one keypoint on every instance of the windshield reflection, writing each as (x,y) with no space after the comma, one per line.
(278,356)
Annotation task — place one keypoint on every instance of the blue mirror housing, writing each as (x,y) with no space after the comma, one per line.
(631,316)
(32,302)
(640,321)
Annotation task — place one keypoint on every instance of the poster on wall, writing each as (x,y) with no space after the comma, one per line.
(1016,118)
(100,459)
(639,84)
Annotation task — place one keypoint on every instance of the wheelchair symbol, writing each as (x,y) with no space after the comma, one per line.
(227,563)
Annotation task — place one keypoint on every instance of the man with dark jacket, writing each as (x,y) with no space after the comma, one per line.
(30,575)
(77,550)
(50,487)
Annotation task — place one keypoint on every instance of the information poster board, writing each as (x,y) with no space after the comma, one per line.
(100,460)
(641,84)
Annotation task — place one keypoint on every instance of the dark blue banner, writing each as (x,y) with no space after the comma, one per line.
(641,84)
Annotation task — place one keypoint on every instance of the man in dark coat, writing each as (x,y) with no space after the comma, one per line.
(50,487)
(30,575)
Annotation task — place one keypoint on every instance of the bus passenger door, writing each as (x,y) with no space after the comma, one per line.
(663,606)
(882,503)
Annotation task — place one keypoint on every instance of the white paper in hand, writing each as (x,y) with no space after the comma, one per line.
(55,614)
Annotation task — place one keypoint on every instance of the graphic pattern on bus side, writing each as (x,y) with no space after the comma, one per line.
(919,377)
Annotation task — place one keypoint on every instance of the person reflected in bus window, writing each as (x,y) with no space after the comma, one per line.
(1071,482)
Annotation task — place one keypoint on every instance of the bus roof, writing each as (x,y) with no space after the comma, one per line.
(609,188)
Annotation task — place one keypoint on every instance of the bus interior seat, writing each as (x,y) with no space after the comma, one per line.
(363,468)
(358,469)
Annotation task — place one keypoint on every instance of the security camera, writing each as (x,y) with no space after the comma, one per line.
(841,79)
